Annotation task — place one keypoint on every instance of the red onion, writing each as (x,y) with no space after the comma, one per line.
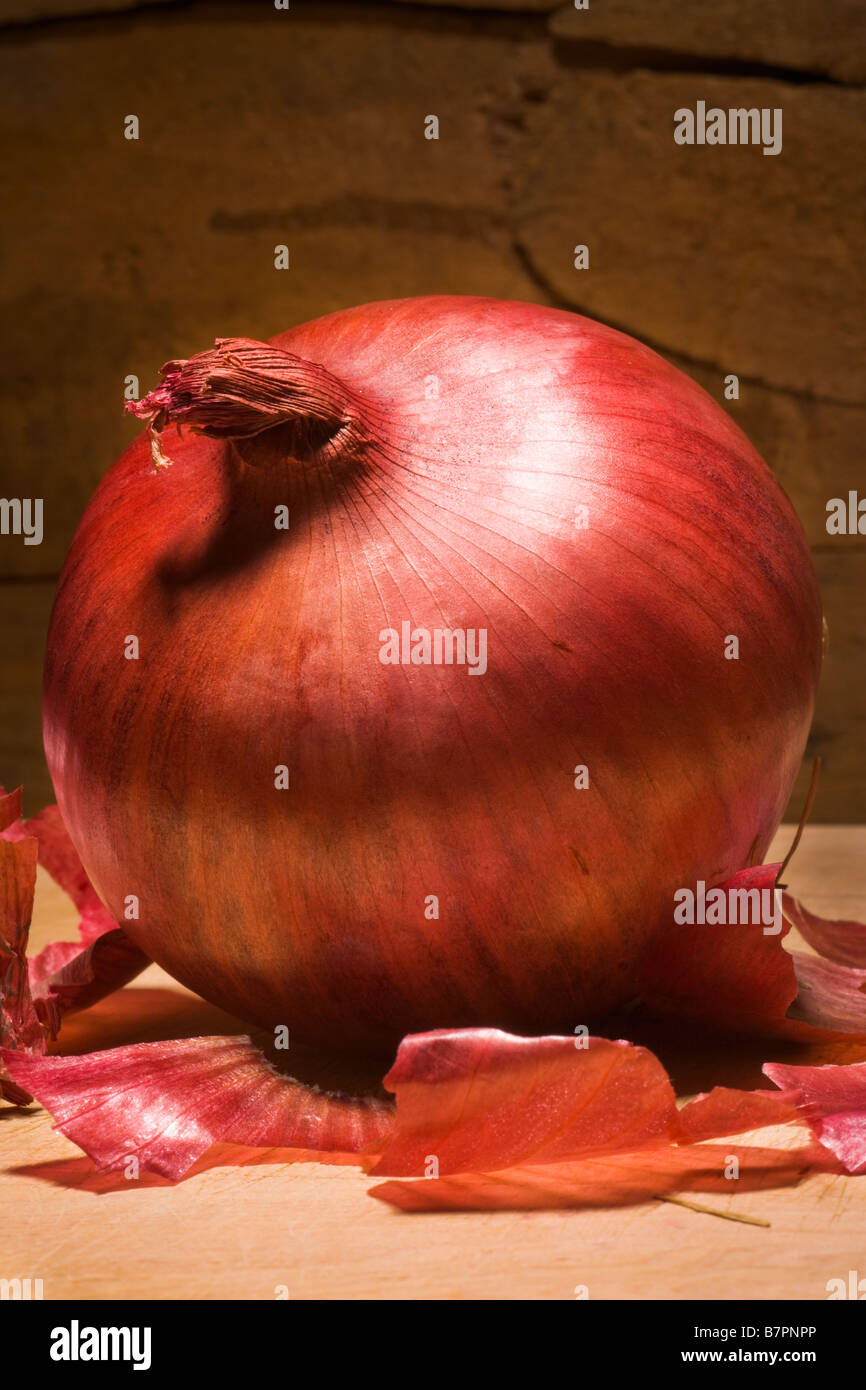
(513,473)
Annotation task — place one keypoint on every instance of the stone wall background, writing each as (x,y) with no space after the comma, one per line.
(306,127)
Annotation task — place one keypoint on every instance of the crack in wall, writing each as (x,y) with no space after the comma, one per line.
(506,127)
(610,56)
(351,209)
(603,55)
(481,224)
(560,301)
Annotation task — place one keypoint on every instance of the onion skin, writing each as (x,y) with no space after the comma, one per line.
(258,647)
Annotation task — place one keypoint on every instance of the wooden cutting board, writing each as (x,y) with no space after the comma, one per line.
(245,1232)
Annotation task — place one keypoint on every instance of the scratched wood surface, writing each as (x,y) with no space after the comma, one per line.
(240,1231)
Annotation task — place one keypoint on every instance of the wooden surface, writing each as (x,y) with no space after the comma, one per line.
(241,1230)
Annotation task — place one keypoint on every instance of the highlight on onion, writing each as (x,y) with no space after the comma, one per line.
(448,639)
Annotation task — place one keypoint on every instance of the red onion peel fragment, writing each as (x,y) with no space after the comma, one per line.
(740,977)
(474,1105)
(163,1104)
(66,976)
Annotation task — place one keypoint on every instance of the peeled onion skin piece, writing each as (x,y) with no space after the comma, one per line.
(487,1122)
(164,1104)
(22,1024)
(478,1099)
(259,648)
(728,1110)
(833,1100)
(475,1100)
(10,808)
(739,978)
(843,943)
(66,976)
(482,1118)
(69,976)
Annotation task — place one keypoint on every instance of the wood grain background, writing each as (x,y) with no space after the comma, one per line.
(305,127)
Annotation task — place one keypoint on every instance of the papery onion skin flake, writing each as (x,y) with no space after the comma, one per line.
(470,1101)
(65,976)
(313,836)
